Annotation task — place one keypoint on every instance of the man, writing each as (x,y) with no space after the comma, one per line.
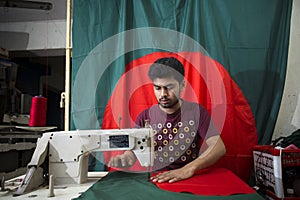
(180,128)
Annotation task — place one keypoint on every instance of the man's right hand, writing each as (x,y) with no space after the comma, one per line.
(127,159)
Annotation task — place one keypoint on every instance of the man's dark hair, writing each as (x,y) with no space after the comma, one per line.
(165,68)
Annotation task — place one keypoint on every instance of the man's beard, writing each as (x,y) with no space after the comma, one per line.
(168,105)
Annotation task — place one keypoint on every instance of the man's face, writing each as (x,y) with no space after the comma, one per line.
(167,92)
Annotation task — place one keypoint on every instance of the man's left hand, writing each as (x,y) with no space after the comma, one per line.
(173,175)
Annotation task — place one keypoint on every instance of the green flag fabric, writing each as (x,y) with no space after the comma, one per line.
(234,52)
(121,185)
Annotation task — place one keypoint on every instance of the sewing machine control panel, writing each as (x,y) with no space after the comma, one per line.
(116,141)
(119,141)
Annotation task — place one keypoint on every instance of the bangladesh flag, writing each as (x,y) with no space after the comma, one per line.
(234,54)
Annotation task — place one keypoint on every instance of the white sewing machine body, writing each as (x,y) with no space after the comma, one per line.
(67,153)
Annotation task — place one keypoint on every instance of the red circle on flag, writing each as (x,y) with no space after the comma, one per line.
(236,122)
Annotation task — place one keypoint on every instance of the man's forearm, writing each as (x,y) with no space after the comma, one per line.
(215,150)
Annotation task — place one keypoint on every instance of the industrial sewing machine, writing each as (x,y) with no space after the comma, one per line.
(64,154)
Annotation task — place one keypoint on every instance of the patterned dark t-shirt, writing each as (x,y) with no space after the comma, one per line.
(177,136)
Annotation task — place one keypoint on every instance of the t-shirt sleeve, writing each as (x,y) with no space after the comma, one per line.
(140,120)
(207,127)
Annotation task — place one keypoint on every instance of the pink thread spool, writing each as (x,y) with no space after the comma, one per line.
(38,111)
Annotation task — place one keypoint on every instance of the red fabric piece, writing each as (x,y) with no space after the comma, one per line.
(212,182)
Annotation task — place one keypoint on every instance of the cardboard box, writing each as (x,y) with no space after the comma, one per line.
(276,170)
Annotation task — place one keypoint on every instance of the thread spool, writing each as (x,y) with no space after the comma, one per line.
(38,111)
(51,186)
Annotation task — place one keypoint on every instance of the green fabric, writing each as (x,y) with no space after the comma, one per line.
(131,186)
(249,38)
